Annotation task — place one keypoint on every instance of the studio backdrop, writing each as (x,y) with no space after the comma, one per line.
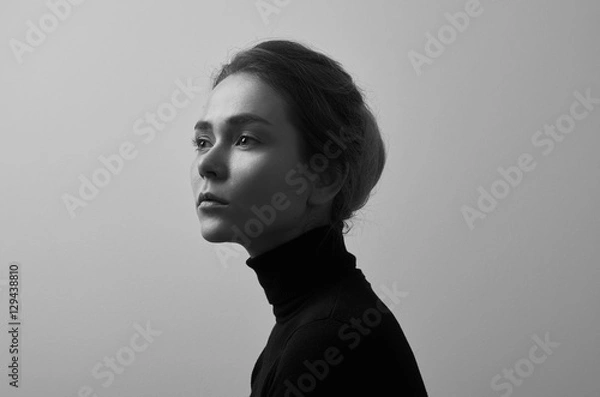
(482,235)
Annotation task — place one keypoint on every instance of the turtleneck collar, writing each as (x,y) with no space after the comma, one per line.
(290,272)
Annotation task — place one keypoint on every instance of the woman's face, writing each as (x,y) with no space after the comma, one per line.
(247,147)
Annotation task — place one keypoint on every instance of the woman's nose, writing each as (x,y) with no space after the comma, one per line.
(211,163)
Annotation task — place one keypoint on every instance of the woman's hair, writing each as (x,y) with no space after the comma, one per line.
(327,107)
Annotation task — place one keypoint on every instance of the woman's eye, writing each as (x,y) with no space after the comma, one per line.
(246,137)
(198,143)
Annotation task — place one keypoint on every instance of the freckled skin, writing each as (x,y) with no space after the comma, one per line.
(250,172)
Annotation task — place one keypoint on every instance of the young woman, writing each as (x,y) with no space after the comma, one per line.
(288,151)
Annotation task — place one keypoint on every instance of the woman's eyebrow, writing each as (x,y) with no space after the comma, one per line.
(233,121)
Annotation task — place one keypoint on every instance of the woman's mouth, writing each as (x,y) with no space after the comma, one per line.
(211,204)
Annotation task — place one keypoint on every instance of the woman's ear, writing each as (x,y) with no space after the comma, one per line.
(327,185)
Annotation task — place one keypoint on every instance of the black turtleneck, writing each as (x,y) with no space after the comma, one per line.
(332,336)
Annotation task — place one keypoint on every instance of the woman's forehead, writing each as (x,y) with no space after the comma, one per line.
(243,93)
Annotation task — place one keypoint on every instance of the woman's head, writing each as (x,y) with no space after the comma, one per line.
(315,164)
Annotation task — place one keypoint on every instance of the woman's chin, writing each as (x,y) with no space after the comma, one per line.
(215,231)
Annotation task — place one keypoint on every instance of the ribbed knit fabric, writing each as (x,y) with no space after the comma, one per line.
(332,336)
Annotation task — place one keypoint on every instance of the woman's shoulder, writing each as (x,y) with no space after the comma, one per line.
(345,305)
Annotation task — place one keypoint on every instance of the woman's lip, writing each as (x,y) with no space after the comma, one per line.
(211,204)
(209,196)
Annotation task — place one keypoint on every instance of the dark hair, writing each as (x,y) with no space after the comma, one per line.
(323,102)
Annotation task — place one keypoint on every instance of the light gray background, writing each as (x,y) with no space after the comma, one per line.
(473,299)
